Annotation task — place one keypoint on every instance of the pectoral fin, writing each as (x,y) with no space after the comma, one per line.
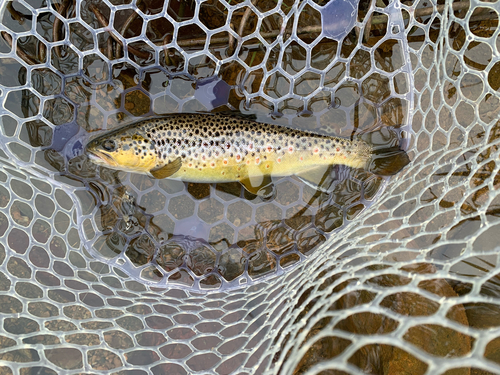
(167,170)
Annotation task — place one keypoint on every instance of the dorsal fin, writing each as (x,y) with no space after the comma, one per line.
(237,114)
(167,170)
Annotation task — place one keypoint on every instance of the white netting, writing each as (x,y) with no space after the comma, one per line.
(407,282)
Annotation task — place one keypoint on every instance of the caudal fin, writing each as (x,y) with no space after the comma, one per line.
(388,161)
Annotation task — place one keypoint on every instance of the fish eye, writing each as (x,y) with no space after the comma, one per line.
(109,145)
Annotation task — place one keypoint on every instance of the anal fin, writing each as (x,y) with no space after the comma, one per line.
(264,188)
(258,181)
(167,170)
(319,178)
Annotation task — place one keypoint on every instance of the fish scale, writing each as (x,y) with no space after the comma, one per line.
(207,143)
(214,148)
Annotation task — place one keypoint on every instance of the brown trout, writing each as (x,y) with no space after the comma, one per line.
(213,148)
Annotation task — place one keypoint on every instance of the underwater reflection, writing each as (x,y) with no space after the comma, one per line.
(210,236)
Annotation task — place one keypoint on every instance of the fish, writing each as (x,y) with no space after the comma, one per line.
(218,148)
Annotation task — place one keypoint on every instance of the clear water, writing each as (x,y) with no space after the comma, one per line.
(200,236)
(410,282)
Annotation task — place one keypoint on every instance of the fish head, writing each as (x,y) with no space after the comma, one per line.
(126,151)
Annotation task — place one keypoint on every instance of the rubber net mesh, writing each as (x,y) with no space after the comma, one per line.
(378,276)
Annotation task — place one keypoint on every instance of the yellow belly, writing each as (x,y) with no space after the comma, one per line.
(221,170)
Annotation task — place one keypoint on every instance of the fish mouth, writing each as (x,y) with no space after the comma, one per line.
(101,158)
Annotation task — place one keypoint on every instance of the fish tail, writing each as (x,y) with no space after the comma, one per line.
(388,161)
